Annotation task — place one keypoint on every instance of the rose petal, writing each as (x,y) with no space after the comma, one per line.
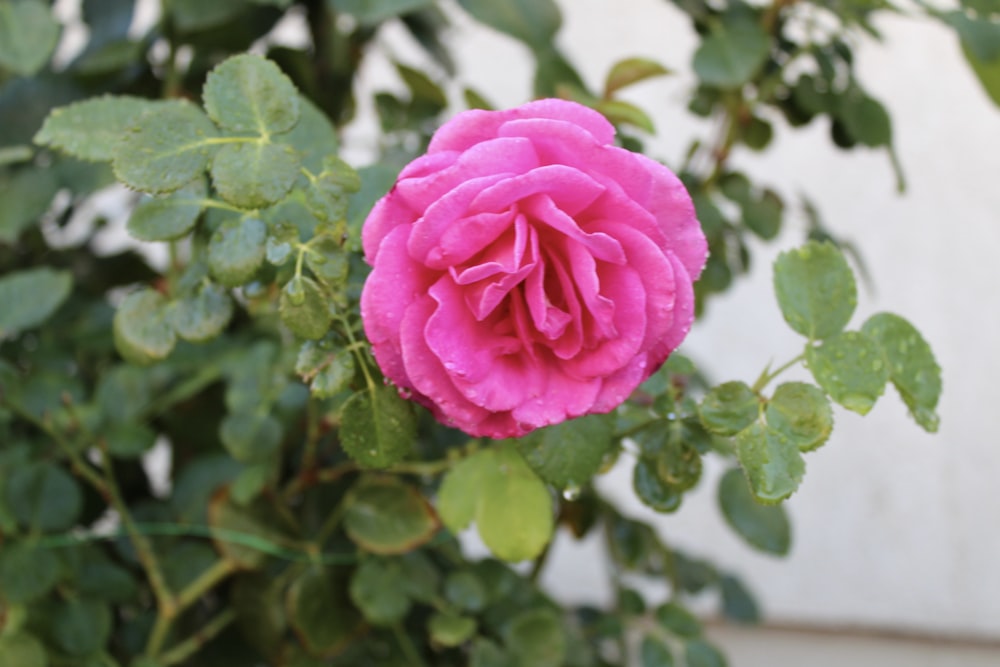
(571,189)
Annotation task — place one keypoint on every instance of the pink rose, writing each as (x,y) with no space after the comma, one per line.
(527,271)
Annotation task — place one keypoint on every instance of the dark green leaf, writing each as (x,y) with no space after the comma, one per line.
(24,197)
(654,491)
(237,250)
(378,589)
(319,611)
(763,215)
(677,620)
(142,329)
(242,533)
(26,573)
(534,22)
(631,71)
(620,112)
(30,297)
(377,428)
(427,98)
(699,653)
(165,148)
(764,527)
(851,368)
(169,218)
(654,653)
(815,289)
(15,155)
(729,408)
(247,93)
(92,128)
(732,53)
(450,629)
(772,462)
(251,437)
(569,454)
(802,413)
(22,649)
(536,638)
(912,367)
(387,516)
(305,308)
(202,315)
(130,440)
(80,626)
(314,138)
(737,602)
(486,653)
(464,589)
(28,36)
(43,497)
(374,12)
(260,610)
(255,174)
(865,119)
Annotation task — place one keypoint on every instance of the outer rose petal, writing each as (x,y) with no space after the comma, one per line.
(527,271)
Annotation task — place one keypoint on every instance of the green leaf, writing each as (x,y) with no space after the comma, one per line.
(699,653)
(449,629)
(677,620)
(486,653)
(459,492)
(314,137)
(374,12)
(260,601)
(92,128)
(654,653)
(536,638)
(865,119)
(248,93)
(569,454)
(514,511)
(319,611)
(534,22)
(22,649)
(165,148)
(169,218)
(257,523)
(815,289)
(426,97)
(912,367)
(737,602)
(631,71)
(24,196)
(43,497)
(130,440)
(326,197)
(620,112)
(851,368)
(378,589)
(237,250)
(202,315)
(732,53)
(377,427)
(729,408)
(465,590)
(255,174)
(10,155)
(652,490)
(327,372)
(30,297)
(763,215)
(386,516)
(772,462)
(28,36)
(988,73)
(305,308)
(802,413)
(80,626)
(142,329)
(764,527)
(251,437)
(26,573)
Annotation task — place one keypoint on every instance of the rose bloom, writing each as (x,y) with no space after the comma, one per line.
(526,270)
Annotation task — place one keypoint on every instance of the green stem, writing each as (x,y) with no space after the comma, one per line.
(412,656)
(766,376)
(192,644)
(205,582)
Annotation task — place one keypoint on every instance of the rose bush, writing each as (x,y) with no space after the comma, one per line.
(526,270)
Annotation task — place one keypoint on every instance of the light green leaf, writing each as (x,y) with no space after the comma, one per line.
(237,250)
(514,511)
(328,261)
(851,368)
(251,437)
(28,36)
(255,174)
(426,97)
(169,218)
(203,314)
(379,591)
(91,129)
(631,71)
(387,516)
(449,629)
(654,653)
(30,297)
(142,330)
(24,196)
(764,527)
(802,413)
(328,372)
(729,408)
(534,22)
(459,493)
(536,638)
(377,427)
(815,289)
(621,112)
(732,53)
(988,73)
(314,138)
(305,308)
(26,573)
(15,154)
(772,462)
(165,148)
(374,12)
(319,610)
(43,497)
(569,454)
(912,367)
(248,93)
(22,649)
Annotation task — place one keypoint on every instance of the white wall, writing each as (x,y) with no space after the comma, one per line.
(893,528)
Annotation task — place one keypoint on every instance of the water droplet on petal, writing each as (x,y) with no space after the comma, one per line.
(571,492)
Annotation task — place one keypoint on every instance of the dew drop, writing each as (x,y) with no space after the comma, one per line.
(671,416)
(571,492)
